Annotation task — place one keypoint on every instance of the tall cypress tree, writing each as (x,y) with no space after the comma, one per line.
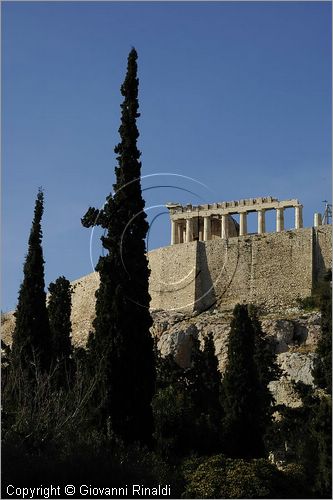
(267,370)
(122,347)
(204,378)
(31,337)
(59,311)
(187,409)
(204,387)
(241,398)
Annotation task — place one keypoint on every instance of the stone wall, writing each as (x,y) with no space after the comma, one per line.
(172,280)
(271,270)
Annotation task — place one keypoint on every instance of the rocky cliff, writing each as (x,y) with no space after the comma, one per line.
(293,336)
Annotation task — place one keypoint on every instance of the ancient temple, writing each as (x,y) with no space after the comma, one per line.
(212,221)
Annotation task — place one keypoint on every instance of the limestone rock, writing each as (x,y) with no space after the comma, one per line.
(7,327)
(307,329)
(298,366)
(178,342)
(282,332)
(163,321)
(174,333)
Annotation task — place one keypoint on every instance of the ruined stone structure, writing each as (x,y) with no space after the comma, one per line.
(214,262)
(207,222)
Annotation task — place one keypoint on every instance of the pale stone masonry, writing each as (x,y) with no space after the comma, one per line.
(271,270)
(211,221)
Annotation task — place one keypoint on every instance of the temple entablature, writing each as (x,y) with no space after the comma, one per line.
(211,221)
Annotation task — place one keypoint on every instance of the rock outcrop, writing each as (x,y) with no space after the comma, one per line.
(293,339)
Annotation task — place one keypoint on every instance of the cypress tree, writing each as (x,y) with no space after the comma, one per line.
(122,346)
(204,384)
(315,443)
(204,378)
(308,431)
(242,432)
(186,407)
(59,311)
(267,370)
(320,432)
(168,372)
(31,337)
(211,373)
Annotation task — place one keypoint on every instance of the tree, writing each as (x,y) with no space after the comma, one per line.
(204,387)
(122,347)
(59,311)
(219,477)
(31,337)
(204,376)
(320,421)
(320,433)
(186,406)
(267,370)
(322,371)
(308,429)
(241,391)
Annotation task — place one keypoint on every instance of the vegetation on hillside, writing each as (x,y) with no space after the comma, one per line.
(306,431)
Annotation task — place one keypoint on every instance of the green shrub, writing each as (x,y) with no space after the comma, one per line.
(221,477)
(308,303)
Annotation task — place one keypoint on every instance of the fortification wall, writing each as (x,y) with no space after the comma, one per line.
(172,280)
(271,270)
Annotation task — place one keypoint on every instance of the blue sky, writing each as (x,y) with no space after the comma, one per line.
(236,95)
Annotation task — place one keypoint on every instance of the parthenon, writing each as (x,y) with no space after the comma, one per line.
(211,221)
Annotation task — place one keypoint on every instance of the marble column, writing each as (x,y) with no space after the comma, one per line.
(279,219)
(179,232)
(242,223)
(207,228)
(261,221)
(298,217)
(189,230)
(224,226)
(317,220)
(173,232)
